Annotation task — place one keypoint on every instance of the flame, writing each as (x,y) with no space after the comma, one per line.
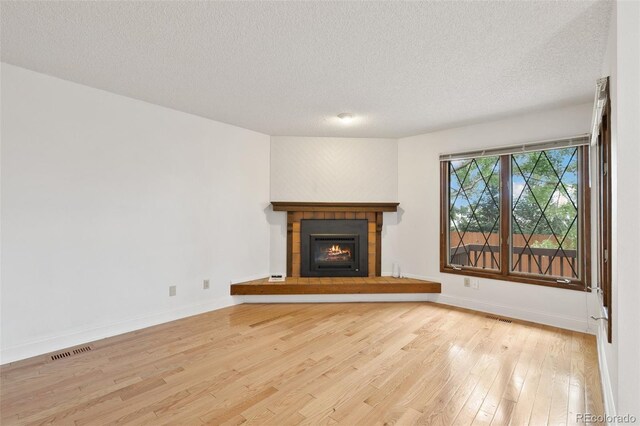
(337,250)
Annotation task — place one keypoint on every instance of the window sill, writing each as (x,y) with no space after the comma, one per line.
(579,286)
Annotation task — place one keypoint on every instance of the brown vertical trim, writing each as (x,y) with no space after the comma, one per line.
(601,217)
(505,214)
(585,227)
(378,271)
(444,212)
(606,226)
(604,214)
(290,219)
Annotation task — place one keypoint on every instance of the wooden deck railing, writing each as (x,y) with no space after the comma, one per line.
(548,261)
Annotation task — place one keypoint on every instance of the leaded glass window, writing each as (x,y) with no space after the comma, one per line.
(517,215)
(474,212)
(544,213)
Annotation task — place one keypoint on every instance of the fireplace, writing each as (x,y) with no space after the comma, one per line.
(333,248)
(370,248)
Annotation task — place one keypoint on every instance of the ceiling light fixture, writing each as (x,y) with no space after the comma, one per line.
(346,117)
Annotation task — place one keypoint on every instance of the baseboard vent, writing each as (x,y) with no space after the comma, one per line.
(60,355)
(508,321)
(88,348)
(67,354)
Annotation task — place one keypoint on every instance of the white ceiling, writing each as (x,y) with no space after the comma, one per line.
(287,68)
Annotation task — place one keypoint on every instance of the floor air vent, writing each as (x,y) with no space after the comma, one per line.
(88,348)
(67,354)
(508,321)
(60,355)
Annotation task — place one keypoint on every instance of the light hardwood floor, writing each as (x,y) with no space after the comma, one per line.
(353,364)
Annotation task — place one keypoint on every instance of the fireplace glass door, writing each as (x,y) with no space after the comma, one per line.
(337,252)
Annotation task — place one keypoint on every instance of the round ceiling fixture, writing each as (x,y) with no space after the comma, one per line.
(346,117)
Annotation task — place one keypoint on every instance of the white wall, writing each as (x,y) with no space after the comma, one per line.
(106,201)
(333,169)
(419,221)
(607,353)
(620,360)
(628,206)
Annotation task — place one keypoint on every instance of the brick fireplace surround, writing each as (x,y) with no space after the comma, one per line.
(372,212)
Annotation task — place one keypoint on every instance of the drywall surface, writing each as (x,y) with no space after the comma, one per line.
(107,201)
(334,169)
(619,360)
(607,352)
(419,219)
(628,205)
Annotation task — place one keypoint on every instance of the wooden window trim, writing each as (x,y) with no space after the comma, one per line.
(504,274)
(605,214)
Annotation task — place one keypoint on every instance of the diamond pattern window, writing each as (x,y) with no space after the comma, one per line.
(544,213)
(474,213)
(518,216)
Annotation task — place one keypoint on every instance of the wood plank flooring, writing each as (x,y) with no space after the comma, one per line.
(337,285)
(281,364)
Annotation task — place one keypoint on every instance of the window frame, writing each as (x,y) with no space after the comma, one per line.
(604,187)
(504,273)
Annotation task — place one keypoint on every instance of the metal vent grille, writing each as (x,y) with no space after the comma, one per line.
(508,321)
(82,350)
(67,354)
(60,355)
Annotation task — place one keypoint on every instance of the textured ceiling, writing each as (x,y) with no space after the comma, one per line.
(287,68)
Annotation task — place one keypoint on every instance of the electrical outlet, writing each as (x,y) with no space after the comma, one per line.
(467,282)
(172,290)
(205,284)
(475,284)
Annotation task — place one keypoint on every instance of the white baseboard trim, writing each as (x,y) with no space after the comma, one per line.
(419,277)
(249,278)
(334,298)
(91,334)
(605,378)
(540,317)
(568,323)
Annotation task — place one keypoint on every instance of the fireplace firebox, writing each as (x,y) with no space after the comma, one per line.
(333,248)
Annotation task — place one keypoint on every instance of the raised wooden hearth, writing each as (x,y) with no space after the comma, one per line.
(350,285)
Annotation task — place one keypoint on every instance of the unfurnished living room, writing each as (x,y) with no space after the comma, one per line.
(320,212)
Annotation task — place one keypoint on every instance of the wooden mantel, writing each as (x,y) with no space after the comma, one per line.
(297,211)
(293,206)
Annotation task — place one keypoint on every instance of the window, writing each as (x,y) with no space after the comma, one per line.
(518,215)
(474,213)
